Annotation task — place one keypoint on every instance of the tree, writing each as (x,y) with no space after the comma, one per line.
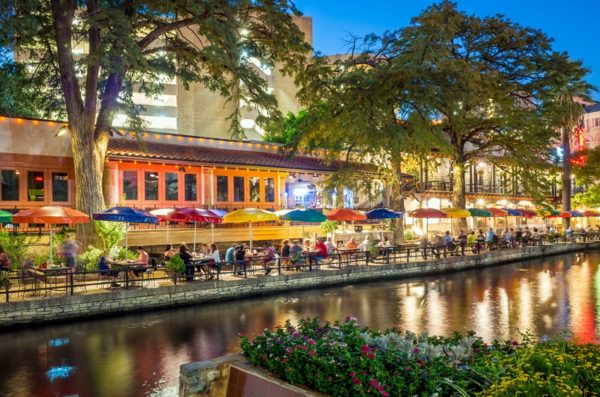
(138,42)
(588,175)
(570,89)
(484,80)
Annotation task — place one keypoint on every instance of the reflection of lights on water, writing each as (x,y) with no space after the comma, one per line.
(61,372)
(58,342)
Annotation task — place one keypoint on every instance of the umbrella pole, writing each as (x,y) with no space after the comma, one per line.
(212,233)
(250,225)
(168,233)
(126,242)
(50,261)
(194,236)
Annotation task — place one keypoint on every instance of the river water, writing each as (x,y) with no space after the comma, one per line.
(139,355)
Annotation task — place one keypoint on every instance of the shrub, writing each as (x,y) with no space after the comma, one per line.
(15,245)
(175,264)
(89,259)
(343,359)
(329,226)
(110,233)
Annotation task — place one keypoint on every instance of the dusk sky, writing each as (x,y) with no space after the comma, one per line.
(572,24)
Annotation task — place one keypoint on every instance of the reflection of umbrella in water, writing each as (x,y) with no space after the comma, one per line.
(196,215)
(428,213)
(127,215)
(51,215)
(249,216)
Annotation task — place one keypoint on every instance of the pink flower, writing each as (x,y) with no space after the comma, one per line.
(371,356)
(303,347)
(352,374)
(365,349)
(284,360)
(311,342)
(416,350)
(312,353)
(356,381)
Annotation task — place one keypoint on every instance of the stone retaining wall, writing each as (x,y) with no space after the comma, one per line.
(127,301)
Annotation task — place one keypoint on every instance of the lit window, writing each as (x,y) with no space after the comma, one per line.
(238,189)
(269,190)
(222,188)
(254,184)
(151,185)
(35,185)
(130,185)
(190,182)
(60,186)
(140,98)
(171,186)
(10,185)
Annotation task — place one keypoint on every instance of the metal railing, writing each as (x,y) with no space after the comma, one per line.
(35,283)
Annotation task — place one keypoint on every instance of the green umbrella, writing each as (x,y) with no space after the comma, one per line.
(5,217)
(479,213)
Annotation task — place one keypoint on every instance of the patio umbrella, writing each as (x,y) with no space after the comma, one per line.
(479,213)
(301,215)
(575,214)
(6,217)
(497,212)
(220,213)
(383,213)
(427,213)
(196,215)
(590,213)
(345,215)
(513,212)
(51,215)
(249,216)
(127,215)
(549,213)
(456,213)
(528,213)
(163,216)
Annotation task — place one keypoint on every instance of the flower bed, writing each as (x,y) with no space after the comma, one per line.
(345,359)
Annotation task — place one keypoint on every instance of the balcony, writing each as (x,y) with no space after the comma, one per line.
(445,186)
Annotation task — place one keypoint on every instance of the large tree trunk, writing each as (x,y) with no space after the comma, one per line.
(566,175)
(88,158)
(398,201)
(458,193)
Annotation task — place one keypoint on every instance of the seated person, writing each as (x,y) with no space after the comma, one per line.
(351,244)
(384,243)
(322,251)
(296,254)
(449,243)
(169,252)
(105,270)
(268,255)
(240,260)
(186,257)
(143,259)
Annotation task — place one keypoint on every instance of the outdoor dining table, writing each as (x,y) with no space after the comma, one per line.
(52,274)
(345,253)
(310,257)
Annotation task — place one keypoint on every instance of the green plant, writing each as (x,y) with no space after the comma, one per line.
(125,254)
(15,245)
(110,233)
(90,258)
(175,264)
(409,235)
(4,280)
(345,359)
(329,226)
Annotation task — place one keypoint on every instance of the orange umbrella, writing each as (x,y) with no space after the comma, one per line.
(590,213)
(497,212)
(345,214)
(51,215)
(428,213)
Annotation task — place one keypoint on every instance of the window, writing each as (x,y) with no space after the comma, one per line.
(597,122)
(171,186)
(130,185)
(222,188)
(269,190)
(60,186)
(238,189)
(35,185)
(151,185)
(254,183)
(10,185)
(190,187)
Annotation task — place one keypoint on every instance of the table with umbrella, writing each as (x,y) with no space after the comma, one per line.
(249,216)
(51,215)
(162,214)
(428,213)
(195,216)
(301,215)
(125,215)
(479,213)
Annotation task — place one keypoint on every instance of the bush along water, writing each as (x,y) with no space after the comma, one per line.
(345,359)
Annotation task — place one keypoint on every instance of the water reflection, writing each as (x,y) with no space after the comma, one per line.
(140,355)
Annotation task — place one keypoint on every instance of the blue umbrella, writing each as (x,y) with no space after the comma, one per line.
(127,215)
(383,213)
(513,212)
(576,214)
(220,213)
(302,215)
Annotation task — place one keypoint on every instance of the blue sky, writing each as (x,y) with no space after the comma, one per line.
(572,24)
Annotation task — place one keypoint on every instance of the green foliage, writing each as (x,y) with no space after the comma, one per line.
(110,233)
(590,197)
(329,226)
(344,359)
(15,245)
(409,235)
(124,254)
(90,258)
(4,280)
(175,264)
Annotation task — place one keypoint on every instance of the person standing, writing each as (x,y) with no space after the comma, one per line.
(330,246)
(462,241)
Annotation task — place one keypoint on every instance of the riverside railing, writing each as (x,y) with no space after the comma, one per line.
(33,283)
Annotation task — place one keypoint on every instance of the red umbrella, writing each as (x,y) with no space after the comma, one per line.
(345,214)
(428,213)
(528,213)
(51,215)
(497,212)
(195,215)
(590,213)
(162,213)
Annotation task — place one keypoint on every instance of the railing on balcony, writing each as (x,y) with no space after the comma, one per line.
(445,185)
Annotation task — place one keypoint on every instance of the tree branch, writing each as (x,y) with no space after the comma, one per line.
(164,29)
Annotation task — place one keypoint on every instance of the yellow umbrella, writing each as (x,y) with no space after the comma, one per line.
(249,215)
(456,213)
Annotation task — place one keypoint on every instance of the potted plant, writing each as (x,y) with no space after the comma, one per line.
(4,280)
(175,266)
